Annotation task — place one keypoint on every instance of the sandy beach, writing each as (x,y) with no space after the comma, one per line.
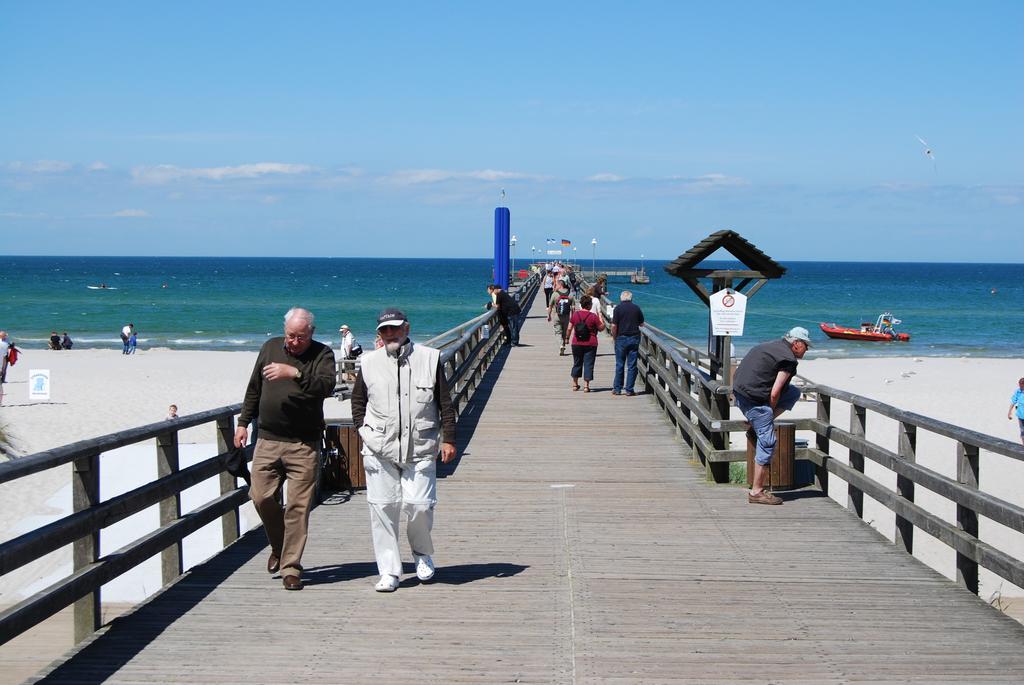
(96,392)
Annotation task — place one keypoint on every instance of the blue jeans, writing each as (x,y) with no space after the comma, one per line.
(583,357)
(626,349)
(762,420)
(512,326)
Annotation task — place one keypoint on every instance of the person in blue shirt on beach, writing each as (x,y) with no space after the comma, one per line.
(133,342)
(1017,402)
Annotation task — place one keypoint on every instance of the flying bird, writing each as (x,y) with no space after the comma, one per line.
(927,149)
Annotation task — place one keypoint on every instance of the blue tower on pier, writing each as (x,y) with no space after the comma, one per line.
(502,228)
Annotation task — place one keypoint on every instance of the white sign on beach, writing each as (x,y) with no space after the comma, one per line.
(39,384)
(728,311)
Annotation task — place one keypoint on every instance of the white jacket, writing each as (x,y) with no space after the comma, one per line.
(402,421)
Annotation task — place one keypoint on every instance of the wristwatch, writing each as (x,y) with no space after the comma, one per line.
(298,375)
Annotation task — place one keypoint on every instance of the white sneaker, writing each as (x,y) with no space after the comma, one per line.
(424,567)
(387,583)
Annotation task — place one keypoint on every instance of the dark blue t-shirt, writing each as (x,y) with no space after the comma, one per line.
(627,318)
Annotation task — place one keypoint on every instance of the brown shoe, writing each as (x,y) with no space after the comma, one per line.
(292,583)
(273,563)
(763,497)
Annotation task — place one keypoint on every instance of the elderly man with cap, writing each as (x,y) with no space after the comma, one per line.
(763,391)
(403,411)
(292,377)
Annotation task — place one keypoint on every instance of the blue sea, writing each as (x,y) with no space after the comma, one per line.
(216,303)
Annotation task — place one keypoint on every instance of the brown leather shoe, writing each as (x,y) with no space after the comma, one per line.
(763,497)
(273,563)
(292,583)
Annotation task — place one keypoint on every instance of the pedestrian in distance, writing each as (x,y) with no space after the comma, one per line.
(508,313)
(292,377)
(126,333)
(66,342)
(626,322)
(133,341)
(5,348)
(548,284)
(172,412)
(54,341)
(562,306)
(763,391)
(1017,402)
(584,326)
(403,411)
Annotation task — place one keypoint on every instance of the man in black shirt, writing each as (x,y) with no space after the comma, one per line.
(289,382)
(508,312)
(763,391)
(626,322)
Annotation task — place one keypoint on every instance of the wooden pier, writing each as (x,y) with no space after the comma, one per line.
(578,541)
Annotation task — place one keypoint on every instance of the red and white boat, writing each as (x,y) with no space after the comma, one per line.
(883,330)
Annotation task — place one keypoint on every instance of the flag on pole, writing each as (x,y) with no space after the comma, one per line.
(566,243)
(551,241)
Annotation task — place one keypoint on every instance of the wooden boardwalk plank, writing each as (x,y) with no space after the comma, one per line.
(640,572)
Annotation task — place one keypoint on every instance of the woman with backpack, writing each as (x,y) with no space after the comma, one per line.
(585,326)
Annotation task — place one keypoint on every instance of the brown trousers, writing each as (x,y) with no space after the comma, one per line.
(273,463)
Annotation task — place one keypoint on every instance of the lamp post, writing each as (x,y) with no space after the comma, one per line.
(574,262)
(512,242)
(593,259)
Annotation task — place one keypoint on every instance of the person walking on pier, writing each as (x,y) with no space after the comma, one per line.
(562,306)
(292,377)
(549,286)
(763,391)
(508,312)
(403,411)
(626,322)
(584,325)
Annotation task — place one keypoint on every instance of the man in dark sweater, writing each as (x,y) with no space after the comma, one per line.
(763,392)
(290,380)
(508,312)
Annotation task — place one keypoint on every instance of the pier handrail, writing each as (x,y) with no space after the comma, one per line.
(91,514)
(466,353)
(699,409)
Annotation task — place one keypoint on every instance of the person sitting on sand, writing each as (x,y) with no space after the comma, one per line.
(66,342)
(54,340)
(172,412)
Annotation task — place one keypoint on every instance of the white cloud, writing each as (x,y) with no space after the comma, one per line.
(42,166)
(98,166)
(131,213)
(606,178)
(169,173)
(707,183)
(420,176)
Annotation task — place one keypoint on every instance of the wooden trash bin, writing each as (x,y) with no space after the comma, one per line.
(782,474)
(350,445)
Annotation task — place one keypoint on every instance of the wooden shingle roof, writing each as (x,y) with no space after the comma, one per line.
(735,244)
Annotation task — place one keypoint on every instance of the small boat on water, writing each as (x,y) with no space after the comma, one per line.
(883,330)
(639,277)
(101,286)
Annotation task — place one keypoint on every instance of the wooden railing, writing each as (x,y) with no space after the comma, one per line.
(82,528)
(698,407)
(467,352)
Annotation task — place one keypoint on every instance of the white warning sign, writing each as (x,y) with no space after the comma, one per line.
(728,311)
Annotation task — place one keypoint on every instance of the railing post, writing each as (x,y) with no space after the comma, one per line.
(905,486)
(687,385)
(967,519)
(824,405)
(170,508)
(858,421)
(85,492)
(225,441)
(719,470)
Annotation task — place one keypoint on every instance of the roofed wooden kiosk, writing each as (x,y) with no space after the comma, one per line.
(760,268)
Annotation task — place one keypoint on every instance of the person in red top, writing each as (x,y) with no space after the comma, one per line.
(585,326)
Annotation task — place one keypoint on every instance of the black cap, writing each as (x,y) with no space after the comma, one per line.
(391,317)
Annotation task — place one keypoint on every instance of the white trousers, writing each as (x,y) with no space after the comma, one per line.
(393,488)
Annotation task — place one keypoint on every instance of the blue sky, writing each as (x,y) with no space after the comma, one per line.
(306,129)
